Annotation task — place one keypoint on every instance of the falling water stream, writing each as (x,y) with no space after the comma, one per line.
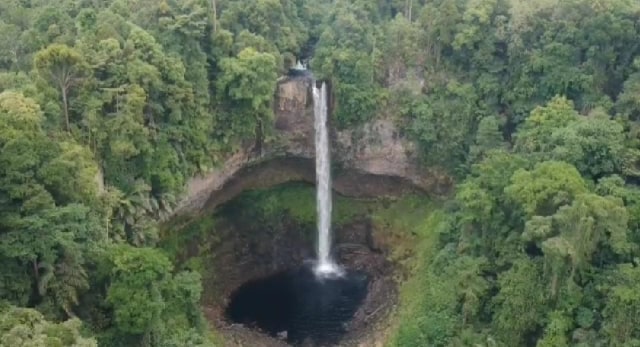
(307,304)
(325,266)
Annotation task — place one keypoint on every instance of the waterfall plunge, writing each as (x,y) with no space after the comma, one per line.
(325,266)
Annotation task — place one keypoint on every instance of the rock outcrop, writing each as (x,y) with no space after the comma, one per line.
(376,149)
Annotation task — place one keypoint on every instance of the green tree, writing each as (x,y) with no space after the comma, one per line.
(151,304)
(594,145)
(573,237)
(520,305)
(64,68)
(534,136)
(544,189)
(136,288)
(9,46)
(249,82)
(22,327)
(347,54)
(488,137)
(443,122)
(622,307)
(555,333)
(275,20)
(402,51)
(44,222)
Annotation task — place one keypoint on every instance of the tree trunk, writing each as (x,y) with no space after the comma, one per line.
(373,62)
(215,15)
(65,106)
(36,271)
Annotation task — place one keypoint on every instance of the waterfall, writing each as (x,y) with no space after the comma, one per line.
(325,265)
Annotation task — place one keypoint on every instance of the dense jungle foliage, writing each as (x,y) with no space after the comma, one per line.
(107,107)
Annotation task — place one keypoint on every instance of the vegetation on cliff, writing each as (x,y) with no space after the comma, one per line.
(108,107)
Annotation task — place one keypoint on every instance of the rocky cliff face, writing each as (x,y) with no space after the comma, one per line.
(373,151)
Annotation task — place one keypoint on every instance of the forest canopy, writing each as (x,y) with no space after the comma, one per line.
(108,107)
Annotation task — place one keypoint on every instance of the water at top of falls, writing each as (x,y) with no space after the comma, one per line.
(325,266)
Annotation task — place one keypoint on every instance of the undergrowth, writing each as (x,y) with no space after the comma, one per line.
(413,226)
(296,200)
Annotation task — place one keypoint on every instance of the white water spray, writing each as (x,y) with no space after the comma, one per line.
(325,266)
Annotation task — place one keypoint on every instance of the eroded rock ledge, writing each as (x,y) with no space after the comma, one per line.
(373,159)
